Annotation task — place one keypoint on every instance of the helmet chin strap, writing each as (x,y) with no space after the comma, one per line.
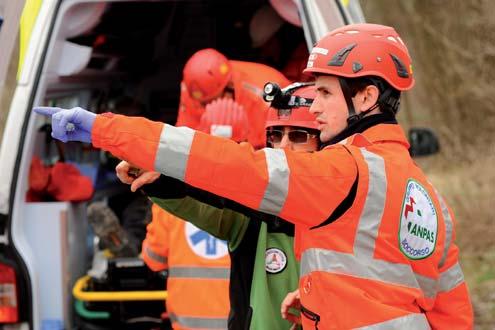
(353,116)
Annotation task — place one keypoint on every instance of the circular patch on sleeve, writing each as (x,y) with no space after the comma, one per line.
(418,223)
(275,260)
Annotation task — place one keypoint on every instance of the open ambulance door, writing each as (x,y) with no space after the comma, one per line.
(25,26)
(13,274)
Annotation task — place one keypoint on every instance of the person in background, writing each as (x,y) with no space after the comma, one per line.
(209,75)
(376,239)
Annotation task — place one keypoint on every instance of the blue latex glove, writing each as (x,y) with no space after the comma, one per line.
(69,125)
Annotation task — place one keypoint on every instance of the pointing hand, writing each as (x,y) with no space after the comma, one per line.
(69,125)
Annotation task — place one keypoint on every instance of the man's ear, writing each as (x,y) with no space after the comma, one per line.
(366,98)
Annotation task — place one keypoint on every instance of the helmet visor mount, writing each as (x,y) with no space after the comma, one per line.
(290,106)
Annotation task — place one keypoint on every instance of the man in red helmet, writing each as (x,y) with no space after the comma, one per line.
(376,239)
(209,75)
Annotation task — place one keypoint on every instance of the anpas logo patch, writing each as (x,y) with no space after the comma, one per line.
(418,223)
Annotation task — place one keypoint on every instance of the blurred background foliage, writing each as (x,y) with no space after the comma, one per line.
(452,43)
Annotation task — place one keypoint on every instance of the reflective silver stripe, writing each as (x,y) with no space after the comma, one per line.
(378,270)
(173,151)
(345,263)
(448,230)
(155,257)
(199,322)
(410,321)
(367,231)
(278,181)
(450,278)
(199,272)
(428,285)
(362,263)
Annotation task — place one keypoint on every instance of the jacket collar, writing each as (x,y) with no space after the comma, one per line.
(377,128)
(385,133)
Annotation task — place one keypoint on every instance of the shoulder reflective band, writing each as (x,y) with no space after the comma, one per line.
(173,150)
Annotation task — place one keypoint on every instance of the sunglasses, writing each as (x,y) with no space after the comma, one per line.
(298,136)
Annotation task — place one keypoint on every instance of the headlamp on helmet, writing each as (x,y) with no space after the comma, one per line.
(284,99)
(290,105)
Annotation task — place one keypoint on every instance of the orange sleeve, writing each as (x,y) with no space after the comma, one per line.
(303,188)
(156,244)
(134,139)
(453,307)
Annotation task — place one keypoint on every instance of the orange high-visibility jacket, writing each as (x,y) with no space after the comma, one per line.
(199,269)
(389,262)
(249,79)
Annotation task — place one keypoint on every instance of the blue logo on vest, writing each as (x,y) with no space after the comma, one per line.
(204,244)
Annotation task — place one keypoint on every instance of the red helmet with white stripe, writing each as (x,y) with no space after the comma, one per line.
(361,50)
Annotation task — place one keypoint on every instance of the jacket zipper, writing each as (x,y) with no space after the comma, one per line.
(311,315)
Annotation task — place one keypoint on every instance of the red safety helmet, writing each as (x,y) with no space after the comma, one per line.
(206,74)
(295,116)
(227,118)
(360,50)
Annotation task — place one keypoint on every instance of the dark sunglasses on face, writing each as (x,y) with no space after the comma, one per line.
(298,136)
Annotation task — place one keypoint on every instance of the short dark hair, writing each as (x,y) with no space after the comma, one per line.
(389,99)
